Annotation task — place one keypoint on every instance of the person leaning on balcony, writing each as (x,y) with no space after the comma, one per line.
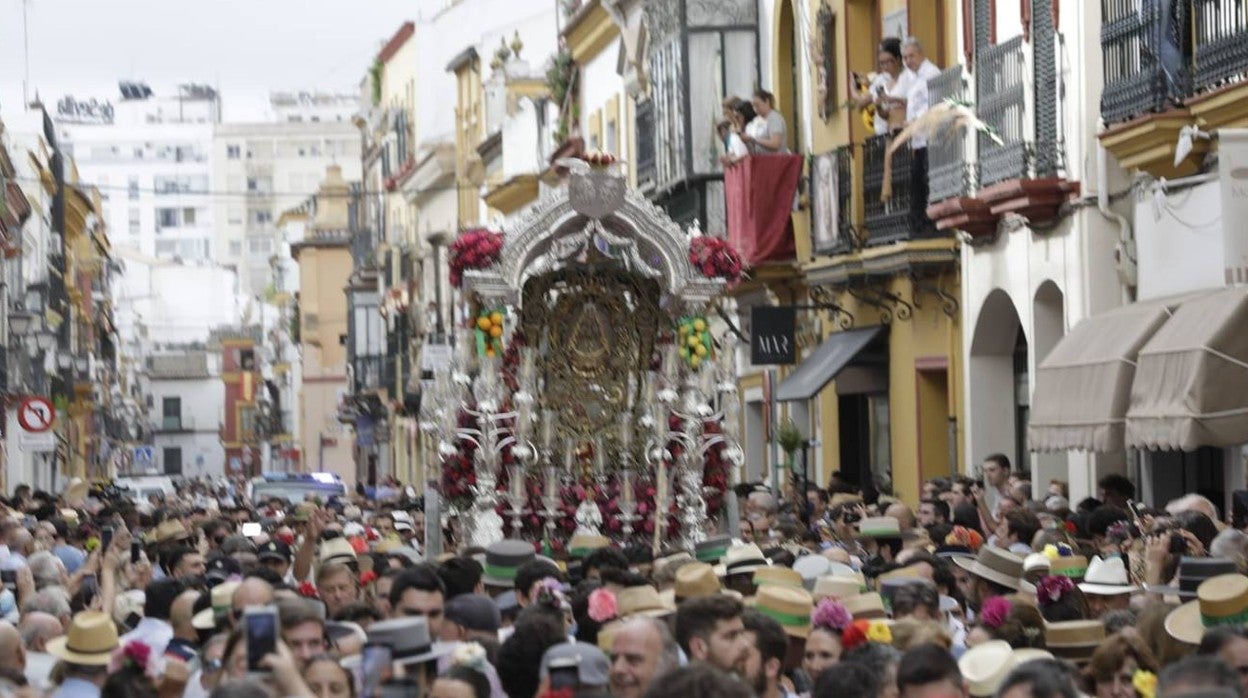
(917,103)
(886,95)
(766,133)
(734,146)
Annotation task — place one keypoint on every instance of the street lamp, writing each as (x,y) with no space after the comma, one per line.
(21,323)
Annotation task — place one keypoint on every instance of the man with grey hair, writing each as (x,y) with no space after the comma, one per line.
(53,601)
(917,103)
(1193,502)
(37,628)
(47,570)
(642,649)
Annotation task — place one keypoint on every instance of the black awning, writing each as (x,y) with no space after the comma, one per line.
(822,365)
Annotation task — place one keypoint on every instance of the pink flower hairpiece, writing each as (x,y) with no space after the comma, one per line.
(994,612)
(602,606)
(134,653)
(1050,590)
(549,591)
(833,615)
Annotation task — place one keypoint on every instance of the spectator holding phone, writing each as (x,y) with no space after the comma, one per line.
(885,94)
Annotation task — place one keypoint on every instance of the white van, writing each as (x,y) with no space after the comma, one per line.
(140,488)
(295,487)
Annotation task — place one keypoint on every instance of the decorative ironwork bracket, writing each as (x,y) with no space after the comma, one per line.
(822,297)
(888,303)
(949,303)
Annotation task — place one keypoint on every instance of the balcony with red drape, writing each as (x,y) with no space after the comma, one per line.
(759,191)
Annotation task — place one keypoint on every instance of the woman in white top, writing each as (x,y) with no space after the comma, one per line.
(886,95)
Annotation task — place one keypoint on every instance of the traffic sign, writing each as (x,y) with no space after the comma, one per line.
(36,415)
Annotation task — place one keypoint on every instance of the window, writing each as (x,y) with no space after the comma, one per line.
(236,248)
(261,217)
(133,188)
(233,152)
(247,359)
(252,184)
(171,413)
(612,138)
(173,460)
(134,221)
(235,214)
(166,218)
(259,245)
(188,216)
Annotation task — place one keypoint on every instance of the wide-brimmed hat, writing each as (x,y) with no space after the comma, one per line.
(1107,577)
(1220,600)
(695,579)
(836,586)
(1073,566)
(995,565)
(502,559)
(1074,640)
(169,530)
(642,600)
(788,606)
(782,576)
(222,601)
(409,639)
(811,568)
(582,544)
(985,666)
(337,550)
(660,563)
(1193,571)
(91,639)
(741,558)
(712,549)
(865,606)
(880,527)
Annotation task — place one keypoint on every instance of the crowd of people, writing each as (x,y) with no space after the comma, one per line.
(982,589)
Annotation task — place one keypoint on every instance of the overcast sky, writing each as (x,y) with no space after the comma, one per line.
(245,47)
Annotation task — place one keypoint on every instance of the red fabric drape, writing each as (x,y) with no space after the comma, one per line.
(760,192)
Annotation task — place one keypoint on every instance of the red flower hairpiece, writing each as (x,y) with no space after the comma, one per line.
(367,578)
(308,589)
(854,635)
(994,612)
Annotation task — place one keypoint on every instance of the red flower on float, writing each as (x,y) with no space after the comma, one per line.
(715,258)
(474,249)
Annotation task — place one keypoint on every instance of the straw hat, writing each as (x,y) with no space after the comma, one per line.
(666,560)
(1073,566)
(836,587)
(693,580)
(788,606)
(783,576)
(641,601)
(741,558)
(337,550)
(995,565)
(1107,577)
(581,544)
(985,666)
(222,602)
(1221,600)
(880,527)
(91,639)
(866,606)
(170,530)
(1074,640)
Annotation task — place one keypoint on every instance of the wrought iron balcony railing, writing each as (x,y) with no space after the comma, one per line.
(1001,78)
(1146,52)
(831,190)
(950,174)
(368,372)
(901,217)
(1220,34)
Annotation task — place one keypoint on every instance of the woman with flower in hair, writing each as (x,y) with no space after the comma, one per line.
(1060,599)
(823,647)
(130,673)
(465,678)
(1014,620)
(1122,667)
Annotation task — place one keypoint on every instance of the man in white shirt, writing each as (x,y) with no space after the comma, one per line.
(917,102)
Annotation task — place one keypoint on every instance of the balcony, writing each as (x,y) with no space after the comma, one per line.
(1169,65)
(368,373)
(831,193)
(902,215)
(759,193)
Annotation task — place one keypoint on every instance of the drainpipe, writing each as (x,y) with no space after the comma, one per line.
(1125,249)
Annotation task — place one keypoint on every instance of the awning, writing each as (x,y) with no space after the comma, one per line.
(1191,381)
(816,370)
(1083,386)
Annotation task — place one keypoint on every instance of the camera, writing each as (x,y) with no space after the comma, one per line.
(1178,544)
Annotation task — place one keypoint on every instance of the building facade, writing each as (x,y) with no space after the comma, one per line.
(187,400)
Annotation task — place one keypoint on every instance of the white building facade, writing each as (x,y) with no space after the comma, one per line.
(186,398)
